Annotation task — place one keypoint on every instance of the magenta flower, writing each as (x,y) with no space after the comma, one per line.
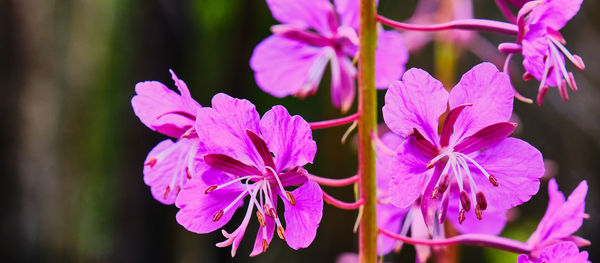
(557,253)
(542,45)
(401,220)
(259,158)
(170,164)
(313,34)
(562,219)
(474,164)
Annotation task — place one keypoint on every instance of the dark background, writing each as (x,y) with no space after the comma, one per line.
(72,149)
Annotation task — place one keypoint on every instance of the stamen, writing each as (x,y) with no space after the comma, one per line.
(167,190)
(571,81)
(481,201)
(151,162)
(272,212)
(281,232)
(478,212)
(187,173)
(576,60)
(493,180)
(276,178)
(442,183)
(290,198)
(527,76)
(218,215)
(465,200)
(261,218)
(265,245)
(439,157)
(210,189)
(461,216)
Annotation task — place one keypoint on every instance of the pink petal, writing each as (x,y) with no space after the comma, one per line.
(295,176)
(165,167)
(343,76)
(410,174)
(415,102)
(562,219)
(161,109)
(348,12)
(390,58)
(535,50)
(555,13)
(288,137)
(229,165)
(419,230)
(198,208)
(303,14)
(222,128)
(491,94)
(285,67)
(448,126)
(302,219)
(389,217)
(516,165)
(563,252)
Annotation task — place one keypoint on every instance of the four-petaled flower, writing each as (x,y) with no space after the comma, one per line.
(260,158)
(170,164)
(542,45)
(552,241)
(313,33)
(472,159)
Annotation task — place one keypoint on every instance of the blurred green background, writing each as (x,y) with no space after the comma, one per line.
(72,149)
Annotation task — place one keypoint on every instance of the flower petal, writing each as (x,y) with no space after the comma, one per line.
(343,74)
(562,219)
(222,128)
(536,52)
(415,102)
(390,58)
(555,13)
(229,165)
(165,167)
(161,109)
(302,219)
(303,14)
(563,252)
(288,137)
(410,174)
(295,176)
(491,94)
(516,165)
(198,208)
(285,67)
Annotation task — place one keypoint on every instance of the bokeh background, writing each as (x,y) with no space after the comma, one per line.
(72,149)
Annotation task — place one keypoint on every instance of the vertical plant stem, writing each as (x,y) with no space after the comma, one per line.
(367,123)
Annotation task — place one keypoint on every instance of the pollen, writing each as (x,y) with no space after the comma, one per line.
(281,232)
(210,189)
(290,198)
(217,215)
(151,162)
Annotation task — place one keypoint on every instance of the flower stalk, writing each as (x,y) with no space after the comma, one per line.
(465,24)
(367,124)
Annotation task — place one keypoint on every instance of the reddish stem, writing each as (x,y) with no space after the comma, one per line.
(466,24)
(335,122)
(341,204)
(479,240)
(333,182)
(506,11)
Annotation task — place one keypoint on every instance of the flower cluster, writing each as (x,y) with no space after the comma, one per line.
(448,155)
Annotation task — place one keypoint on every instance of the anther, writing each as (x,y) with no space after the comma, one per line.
(527,76)
(435,193)
(217,216)
(481,201)
(281,232)
(290,198)
(493,180)
(461,216)
(167,191)
(273,212)
(578,62)
(177,190)
(151,162)
(261,218)
(265,245)
(267,210)
(210,189)
(478,212)
(465,200)
(187,173)
(572,81)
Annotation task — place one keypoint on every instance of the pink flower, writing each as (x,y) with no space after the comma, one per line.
(474,164)
(553,237)
(401,220)
(170,164)
(542,45)
(259,158)
(313,34)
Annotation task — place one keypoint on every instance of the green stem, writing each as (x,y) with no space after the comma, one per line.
(367,124)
